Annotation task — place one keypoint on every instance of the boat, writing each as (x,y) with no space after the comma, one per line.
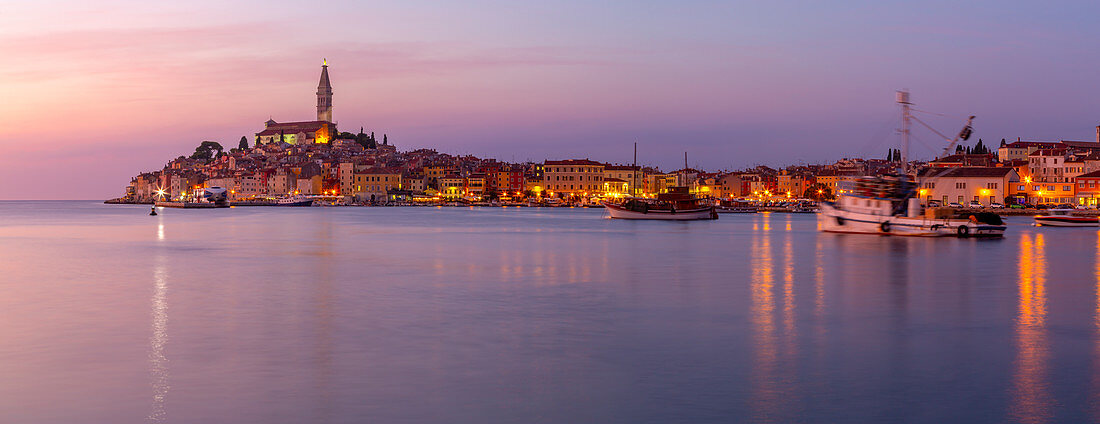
(1065,218)
(887,205)
(802,207)
(734,206)
(676,205)
(293,201)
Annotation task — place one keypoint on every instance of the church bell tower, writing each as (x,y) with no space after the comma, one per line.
(324,95)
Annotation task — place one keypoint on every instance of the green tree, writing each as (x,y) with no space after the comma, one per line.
(206,150)
(243,144)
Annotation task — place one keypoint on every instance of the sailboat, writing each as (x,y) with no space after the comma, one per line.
(678,204)
(888,205)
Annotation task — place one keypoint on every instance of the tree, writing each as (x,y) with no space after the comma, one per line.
(345,136)
(206,150)
(244,143)
(385,141)
(818,191)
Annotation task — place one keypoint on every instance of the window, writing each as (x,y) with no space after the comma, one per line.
(960,185)
(1022,188)
(991,186)
(1066,188)
(961,199)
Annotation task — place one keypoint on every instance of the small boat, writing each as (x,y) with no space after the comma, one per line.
(1065,218)
(676,205)
(802,207)
(294,201)
(733,206)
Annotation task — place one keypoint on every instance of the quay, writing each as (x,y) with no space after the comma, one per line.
(190,205)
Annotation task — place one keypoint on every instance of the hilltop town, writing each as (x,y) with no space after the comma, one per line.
(314,158)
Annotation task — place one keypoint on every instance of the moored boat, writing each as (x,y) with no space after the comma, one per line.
(294,201)
(733,206)
(677,205)
(1065,218)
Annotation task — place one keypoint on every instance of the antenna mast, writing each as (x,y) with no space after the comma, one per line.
(903,100)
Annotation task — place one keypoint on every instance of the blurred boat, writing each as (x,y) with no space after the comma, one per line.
(1065,218)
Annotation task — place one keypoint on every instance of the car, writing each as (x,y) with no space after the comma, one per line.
(996,205)
(974,204)
(1066,206)
(934,203)
(1042,206)
(1017,206)
(955,205)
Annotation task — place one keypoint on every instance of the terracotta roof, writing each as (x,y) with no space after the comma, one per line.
(968,171)
(573,162)
(292,127)
(1093,174)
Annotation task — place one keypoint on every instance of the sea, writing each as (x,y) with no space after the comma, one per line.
(534,315)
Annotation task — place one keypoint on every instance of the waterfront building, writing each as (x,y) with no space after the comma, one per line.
(573,177)
(962,185)
(1087,192)
(452,186)
(376,183)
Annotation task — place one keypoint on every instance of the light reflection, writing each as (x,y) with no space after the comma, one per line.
(766,397)
(158,362)
(1031,395)
(788,291)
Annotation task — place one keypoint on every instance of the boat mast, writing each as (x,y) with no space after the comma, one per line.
(903,100)
(634,173)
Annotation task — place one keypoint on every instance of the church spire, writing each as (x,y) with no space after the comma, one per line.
(324,95)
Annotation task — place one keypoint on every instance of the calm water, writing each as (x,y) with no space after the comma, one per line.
(455,315)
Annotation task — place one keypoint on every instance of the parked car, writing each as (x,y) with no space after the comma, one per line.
(955,204)
(934,203)
(996,205)
(974,204)
(1042,206)
(1066,206)
(1018,206)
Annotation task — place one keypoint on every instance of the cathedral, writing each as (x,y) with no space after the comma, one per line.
(321,131)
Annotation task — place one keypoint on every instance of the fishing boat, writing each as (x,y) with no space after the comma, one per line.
(1065,218)
(887,205)
(676,205)
(294,201)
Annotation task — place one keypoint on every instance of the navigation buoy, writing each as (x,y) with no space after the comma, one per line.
(153,211)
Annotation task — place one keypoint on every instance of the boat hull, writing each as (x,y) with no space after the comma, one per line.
(834,220)
(296,203)
(1067,221)
(618,212)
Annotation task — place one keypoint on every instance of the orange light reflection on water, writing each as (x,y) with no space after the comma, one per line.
(1031,398)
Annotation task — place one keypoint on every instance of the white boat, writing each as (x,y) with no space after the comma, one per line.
(677,205)
(733,206)
(888,206)
(1065,218)
(294,201)
(902,215)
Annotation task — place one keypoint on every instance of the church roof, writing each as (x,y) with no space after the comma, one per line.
(293,127)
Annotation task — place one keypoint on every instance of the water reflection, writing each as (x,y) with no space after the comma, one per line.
(765,396)
(1031,400)
(158,362)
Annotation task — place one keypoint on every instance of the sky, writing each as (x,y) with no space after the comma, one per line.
(93,93)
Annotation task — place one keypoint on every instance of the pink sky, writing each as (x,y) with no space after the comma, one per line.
(95,94)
